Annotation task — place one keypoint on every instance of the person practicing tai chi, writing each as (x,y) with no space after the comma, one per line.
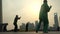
(15,23)
(43,17)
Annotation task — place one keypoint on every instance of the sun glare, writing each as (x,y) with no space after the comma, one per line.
(36,7)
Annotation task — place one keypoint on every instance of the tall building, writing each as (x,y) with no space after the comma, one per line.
(56,25)
(36,24)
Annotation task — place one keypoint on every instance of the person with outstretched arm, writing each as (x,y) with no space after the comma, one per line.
(43,16)
(15,22)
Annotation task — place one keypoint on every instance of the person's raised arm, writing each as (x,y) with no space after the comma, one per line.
(19,18)
(50,7)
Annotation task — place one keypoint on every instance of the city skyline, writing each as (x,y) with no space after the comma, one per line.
(28,10)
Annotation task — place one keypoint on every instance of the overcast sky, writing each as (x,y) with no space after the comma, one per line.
(28,10)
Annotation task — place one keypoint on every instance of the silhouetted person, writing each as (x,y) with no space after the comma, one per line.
(58,28)
(15,23)
(43,16)
(27,27)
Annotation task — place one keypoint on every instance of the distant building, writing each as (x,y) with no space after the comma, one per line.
(41,26)
(22,27)
(36,23)
(56,20)
(31,27)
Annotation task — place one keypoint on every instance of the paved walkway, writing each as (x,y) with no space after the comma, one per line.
(29,32)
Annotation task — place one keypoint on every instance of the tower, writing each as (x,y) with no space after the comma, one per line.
(56,21)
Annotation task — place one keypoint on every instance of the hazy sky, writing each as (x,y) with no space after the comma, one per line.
(28,10)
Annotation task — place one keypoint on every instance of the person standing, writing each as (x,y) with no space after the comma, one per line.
(43,16)
(15,23)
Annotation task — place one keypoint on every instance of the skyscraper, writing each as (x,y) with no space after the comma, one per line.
(56,21)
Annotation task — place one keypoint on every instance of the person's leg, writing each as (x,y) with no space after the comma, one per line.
(46,24)
(26,29)
(38,26)
(15,29)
